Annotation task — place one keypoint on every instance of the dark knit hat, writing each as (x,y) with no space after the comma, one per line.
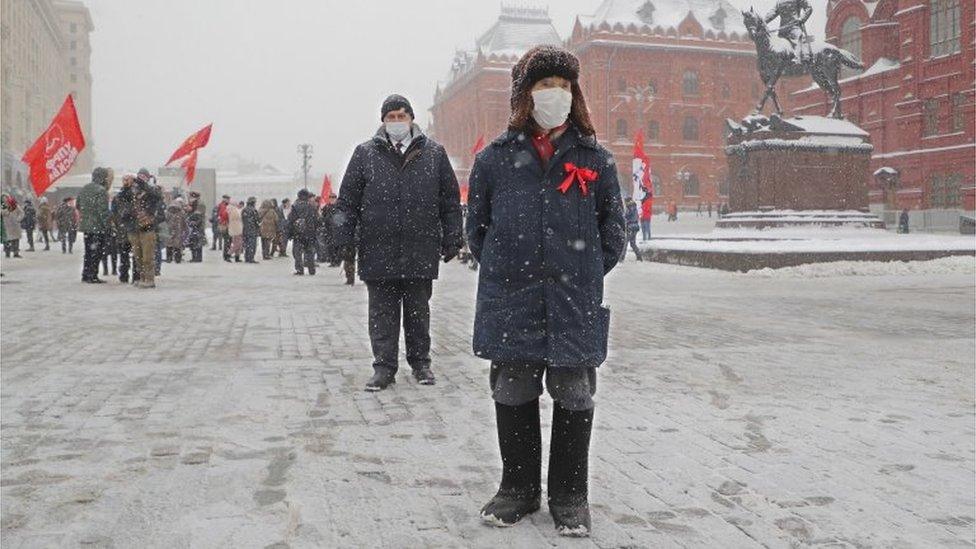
(304,194)
(541,62)
(394,103)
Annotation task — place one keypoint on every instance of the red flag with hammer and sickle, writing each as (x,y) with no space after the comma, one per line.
(56,150)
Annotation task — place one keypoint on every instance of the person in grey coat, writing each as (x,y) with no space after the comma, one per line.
(400,192)
(545,222)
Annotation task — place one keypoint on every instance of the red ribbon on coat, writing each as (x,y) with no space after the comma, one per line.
(583,176)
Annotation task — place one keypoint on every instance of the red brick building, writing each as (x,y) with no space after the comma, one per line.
(915,97)
(674,69)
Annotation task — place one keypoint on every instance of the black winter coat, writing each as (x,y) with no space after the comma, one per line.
(543,253)
(251,222)
(303,221)
(139,196)
(407,208)
(30,218)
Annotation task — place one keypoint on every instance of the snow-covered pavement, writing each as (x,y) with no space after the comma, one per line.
(225,409)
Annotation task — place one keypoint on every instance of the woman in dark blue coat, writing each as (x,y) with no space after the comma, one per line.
(546,223)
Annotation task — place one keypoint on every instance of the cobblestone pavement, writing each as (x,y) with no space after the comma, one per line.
(225,409)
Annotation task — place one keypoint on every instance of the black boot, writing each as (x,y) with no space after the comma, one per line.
(520,442)
(568,472)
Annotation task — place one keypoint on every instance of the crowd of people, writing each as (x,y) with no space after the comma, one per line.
(132,233)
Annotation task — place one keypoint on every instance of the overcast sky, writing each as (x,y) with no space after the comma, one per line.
(271,74)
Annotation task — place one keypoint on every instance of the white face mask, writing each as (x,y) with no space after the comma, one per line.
(551,107)
(398,131)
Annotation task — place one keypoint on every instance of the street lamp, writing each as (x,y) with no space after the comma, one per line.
(305,150)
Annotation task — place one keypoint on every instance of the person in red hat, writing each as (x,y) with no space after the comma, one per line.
(545,221)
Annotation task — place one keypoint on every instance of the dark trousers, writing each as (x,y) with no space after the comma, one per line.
(632,241)
(225,245)
(387,298)
(30,237)
(68,240)
(125,248)
(196,254)
(250,247)
(94,248)
(110,255)
(304,252)
(646,229)
(47,238)
(267,247)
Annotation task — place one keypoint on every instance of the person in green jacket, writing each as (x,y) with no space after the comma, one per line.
(95,216)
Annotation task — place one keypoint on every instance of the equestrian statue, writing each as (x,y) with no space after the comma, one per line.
(793,53)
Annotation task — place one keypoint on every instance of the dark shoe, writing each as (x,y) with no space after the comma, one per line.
(568,471)
(124,279)
(424,376)
(97,280)
(237,259)
(227,259)
(250,261)
(299,273)
(510,506)
(311,272)
(520,444)
(380,380)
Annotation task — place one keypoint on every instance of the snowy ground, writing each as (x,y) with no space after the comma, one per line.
(225,409)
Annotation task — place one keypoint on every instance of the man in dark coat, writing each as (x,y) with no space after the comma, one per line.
(401,193)
(93,205)
(302,226)
(28,223)
(252,229)
(138,211)
(632,217)
(196,221)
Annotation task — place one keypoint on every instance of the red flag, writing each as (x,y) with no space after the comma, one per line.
(56,150)
(326,190)
(192,143)
(478,145)
(641,166)
(190,165)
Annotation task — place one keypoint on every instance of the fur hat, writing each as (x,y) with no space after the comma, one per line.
(541,62)
(394,103)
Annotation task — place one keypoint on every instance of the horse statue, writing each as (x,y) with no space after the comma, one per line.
(777,57)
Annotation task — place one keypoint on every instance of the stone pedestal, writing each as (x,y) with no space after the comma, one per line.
(799,163)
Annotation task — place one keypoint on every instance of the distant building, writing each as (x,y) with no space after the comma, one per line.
(45,54)
(915,98)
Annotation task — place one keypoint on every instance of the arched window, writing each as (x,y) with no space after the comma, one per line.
(622,129)
(943,27)
(653,131)
(652,87)
(850,40)
(621,85)
(690,129)
(691,185)
(690,83)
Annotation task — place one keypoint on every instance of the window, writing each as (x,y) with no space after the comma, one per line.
(944,193)
(930,117)
(690,83)
(690,129)
(691,185)
(850,40)
(656,184)
(74,28)
(653,131)
(726,91)
(943,27)
(652,87)
(621,85)
(622,129)
(958,119)
(74,45)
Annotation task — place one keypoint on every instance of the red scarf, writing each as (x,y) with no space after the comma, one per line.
(543,144)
